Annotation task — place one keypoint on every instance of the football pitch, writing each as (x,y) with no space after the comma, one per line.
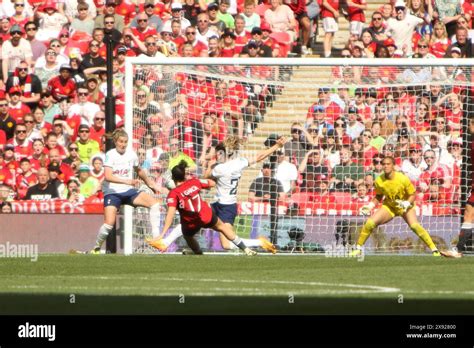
(231,284)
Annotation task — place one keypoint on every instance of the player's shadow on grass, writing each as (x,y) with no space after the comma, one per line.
(27,304)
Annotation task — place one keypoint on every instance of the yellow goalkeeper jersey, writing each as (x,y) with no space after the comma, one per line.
(400,187)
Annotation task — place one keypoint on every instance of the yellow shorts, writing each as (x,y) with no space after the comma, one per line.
(394,211)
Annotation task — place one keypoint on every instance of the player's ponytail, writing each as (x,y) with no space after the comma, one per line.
(178,173)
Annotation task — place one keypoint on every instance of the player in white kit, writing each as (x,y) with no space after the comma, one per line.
(119,188)
(227,172)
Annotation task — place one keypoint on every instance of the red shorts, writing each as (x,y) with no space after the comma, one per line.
(191,228)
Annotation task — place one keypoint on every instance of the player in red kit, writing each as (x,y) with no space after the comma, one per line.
(194,212)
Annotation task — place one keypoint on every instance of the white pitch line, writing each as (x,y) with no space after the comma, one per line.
(361,287)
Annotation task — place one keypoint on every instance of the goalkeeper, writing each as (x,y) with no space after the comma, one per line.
(398,194)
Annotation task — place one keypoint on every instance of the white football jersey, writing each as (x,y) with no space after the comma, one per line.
(122,167)
(228,175)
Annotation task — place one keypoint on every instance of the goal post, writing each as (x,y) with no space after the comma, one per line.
(342,116)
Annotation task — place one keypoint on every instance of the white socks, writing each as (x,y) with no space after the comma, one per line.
(251,243)
(104,231)
(155,219)
(173,235)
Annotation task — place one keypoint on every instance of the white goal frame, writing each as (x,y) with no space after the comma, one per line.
(325,62)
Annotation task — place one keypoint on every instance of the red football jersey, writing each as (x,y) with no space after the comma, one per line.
(193,210)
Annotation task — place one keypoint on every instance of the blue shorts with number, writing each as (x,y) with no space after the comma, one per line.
(117,199)
(225,212)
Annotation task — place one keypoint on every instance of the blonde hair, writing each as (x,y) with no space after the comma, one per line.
(439,24)
(232,143)
(116,134)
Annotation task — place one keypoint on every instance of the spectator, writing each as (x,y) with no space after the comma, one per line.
(38,159)
(154,20)
(143,29)
(92,62)
(199,48)
(23,147)
(464,23)
(300,13)
(281,18)
(286,173)
(151,48)
(14,51)
(73,192)
(83,107)
(43,190)
(387,126)
(442,155)
(38,48)
(252,19)
(295,149)
(330,15)
(63,85)
(49,69)
(215,23)
(62,131)
(414,165)
(203,31)
(439,41)
(16,108)
(32,132)
(54,172)
(82,21)
(312,169)
(268,190)
(435,173)
(50,21)
(377,140)
(109,9)
(462,42)
(87,147)
(402,27)
(177,14)
(347,175)
(262,49)
(110,31)
(354,127)
(89,186)
(6,208)
(73,160)
(177,155)
(97,170)
(98,126)
(447,12)
(25,178)
(224,16)
(29,85)
(7,122)
(188,132)
(361,196)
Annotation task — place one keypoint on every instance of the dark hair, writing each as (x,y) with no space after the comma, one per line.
(178,173)
(389,158)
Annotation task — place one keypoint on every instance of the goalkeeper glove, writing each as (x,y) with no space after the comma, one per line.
(403,205)
(366,209)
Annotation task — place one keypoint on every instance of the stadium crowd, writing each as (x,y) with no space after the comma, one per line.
(53,89)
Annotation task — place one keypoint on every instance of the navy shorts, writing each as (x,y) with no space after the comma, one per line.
(225,212)
(191,229)
(117,199)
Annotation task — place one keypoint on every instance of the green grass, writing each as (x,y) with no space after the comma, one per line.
(212,284)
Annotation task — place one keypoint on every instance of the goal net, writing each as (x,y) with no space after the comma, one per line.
(341,116)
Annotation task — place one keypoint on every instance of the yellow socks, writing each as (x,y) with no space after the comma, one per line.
(424,236)
(366,231)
